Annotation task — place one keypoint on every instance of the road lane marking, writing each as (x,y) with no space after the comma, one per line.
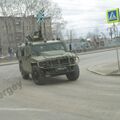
(24,109)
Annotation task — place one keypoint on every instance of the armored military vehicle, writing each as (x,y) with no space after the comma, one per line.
(41,59)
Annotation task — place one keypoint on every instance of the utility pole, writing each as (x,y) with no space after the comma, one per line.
(71,37)
(110,32)
(115,30)
(118,60)
(23,20)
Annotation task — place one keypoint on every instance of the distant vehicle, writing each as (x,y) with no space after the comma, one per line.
(46,58)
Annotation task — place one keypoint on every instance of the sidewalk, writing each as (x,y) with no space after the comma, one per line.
(6,60)
(105,69)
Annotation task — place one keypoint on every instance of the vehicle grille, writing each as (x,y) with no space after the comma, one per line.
(62,61)
(58,62)
(54,62)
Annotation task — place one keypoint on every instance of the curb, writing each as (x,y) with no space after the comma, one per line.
(116,73)
(91,69)
(95,69)
(96,51)
(8,63)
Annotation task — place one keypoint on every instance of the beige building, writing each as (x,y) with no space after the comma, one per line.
(14,29)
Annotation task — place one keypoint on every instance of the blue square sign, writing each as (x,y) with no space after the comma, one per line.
(40,16)
(113,16)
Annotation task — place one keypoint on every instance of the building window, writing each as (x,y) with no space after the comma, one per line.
(3,27)
(18,36)
(18,22)
(29,27)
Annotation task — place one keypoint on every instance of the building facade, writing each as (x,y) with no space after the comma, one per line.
(13,31)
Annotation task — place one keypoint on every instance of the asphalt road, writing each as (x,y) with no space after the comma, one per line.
(92,97)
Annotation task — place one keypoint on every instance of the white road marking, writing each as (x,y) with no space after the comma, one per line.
(24,109)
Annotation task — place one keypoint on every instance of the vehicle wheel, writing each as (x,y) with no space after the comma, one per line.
(72,76)
(38,76)
(23,73)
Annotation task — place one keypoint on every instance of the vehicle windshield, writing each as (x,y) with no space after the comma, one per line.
(38,48)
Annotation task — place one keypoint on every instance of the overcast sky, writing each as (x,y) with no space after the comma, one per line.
(85,15)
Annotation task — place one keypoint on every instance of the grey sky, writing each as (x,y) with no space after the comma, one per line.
(85,15)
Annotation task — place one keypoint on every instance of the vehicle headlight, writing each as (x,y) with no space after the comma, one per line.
(72,60)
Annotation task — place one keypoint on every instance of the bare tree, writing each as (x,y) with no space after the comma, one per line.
(24,8)
(51,9)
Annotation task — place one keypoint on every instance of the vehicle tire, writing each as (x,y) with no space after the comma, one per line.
(72,76)
(38,76)
(23,73)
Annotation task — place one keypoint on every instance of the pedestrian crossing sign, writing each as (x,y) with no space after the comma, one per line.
(113,16)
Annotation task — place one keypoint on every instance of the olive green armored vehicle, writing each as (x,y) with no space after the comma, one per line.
(41,59)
